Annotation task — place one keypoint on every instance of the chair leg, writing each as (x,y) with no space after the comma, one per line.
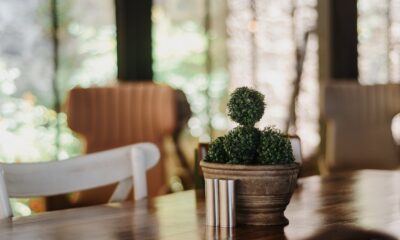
(5,208)
(122,191)
(139,173)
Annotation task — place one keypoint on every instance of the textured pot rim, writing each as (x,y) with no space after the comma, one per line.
(225,166)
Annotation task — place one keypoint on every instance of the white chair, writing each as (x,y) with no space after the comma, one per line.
(296,147)
(126,165)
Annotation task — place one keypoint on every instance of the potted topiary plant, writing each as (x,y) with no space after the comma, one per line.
(261,161)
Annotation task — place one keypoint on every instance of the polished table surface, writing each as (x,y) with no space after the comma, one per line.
(368,199)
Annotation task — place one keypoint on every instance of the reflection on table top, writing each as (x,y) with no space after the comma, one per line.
(369,199)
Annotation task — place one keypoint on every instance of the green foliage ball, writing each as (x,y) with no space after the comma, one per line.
(246,106)
(274,148)
(246,144)
(216,152)
(241,144)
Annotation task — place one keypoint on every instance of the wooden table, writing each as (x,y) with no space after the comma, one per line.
(368,199)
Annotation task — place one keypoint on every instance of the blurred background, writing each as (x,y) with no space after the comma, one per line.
(287,49)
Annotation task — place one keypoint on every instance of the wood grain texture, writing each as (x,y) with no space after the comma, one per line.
(369,199)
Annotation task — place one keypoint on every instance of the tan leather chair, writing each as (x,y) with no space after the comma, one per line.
(359,122)
(119,115)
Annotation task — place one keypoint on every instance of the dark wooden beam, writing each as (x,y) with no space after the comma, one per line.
(344,55)
(134,48)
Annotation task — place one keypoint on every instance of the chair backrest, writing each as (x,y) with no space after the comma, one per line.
(359,122)
(125,165)
(123,114)
(296,147)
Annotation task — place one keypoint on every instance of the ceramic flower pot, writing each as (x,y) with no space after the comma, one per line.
(262,191)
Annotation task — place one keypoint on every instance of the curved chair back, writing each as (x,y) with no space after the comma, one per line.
(119,115)
(122,114)
(126,166)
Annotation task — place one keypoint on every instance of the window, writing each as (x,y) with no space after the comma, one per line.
(30,128)
(379,46)
(207,48)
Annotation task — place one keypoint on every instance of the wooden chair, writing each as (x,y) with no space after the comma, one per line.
(121,114)
(126,165)
(359,122)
